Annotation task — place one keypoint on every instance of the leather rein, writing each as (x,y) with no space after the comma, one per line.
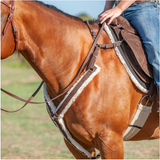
(94,48)
(10,20)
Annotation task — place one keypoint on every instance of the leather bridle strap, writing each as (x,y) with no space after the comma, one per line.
(94,44)
(10,20)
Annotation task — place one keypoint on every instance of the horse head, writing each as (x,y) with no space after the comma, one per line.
(8,30)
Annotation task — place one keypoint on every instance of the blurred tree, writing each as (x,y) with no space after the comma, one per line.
(84,16)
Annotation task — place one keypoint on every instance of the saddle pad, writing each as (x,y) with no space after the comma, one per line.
(142,86)
(133,48)
(138,55)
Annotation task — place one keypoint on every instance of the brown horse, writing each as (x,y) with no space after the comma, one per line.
(56,44)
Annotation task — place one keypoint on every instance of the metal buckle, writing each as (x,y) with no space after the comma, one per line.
(54,117)
(96,50)
(147,101)
(94,54)
(15,29)
(10,15)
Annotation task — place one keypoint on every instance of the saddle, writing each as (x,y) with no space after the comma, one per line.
(134,51)
(133,48)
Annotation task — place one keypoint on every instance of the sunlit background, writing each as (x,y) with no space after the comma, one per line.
(90,8)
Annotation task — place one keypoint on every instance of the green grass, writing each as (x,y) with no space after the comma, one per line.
(30,133)
(142,149)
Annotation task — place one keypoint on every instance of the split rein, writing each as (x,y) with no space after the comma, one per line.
(20,99)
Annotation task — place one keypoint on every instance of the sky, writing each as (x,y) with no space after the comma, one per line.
(75,7)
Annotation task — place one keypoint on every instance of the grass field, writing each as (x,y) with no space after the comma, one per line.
(30,133)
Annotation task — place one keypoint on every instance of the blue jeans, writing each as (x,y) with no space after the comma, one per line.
(145,17)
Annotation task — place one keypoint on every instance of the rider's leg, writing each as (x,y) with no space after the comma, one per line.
(145,18)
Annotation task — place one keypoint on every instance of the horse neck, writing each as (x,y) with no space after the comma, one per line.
(50,43)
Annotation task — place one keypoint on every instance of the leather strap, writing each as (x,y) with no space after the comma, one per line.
(152,94)
(95,42)
(146,1)
(26,101)
(91,30)
(112,45)
(10,20)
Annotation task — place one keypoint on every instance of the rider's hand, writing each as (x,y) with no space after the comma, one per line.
(110,14)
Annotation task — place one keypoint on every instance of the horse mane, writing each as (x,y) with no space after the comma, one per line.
(57,10)
(94,22)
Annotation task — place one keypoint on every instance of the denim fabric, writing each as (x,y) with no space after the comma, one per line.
(145,17)
(117,1)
